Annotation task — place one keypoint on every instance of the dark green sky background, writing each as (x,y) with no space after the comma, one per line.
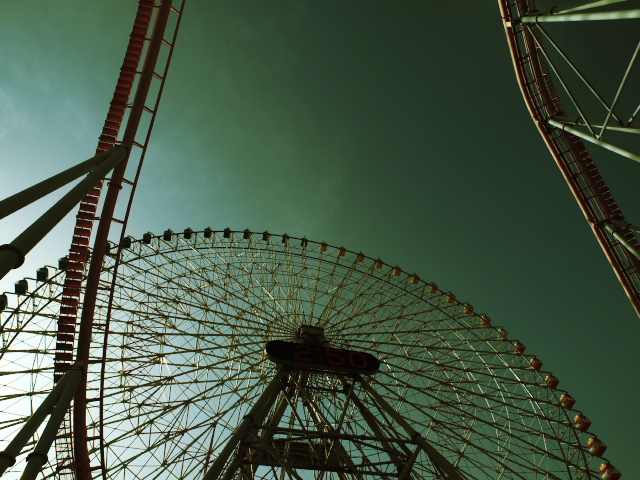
(396,128)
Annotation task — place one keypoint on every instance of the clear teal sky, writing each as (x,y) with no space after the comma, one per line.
(395,128)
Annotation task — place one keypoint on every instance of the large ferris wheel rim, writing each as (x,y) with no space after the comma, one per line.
(570,153)
(165,250)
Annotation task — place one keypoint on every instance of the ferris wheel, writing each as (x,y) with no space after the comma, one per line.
(579,109)
(223,354)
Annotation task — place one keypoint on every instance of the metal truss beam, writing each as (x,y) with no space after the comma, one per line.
(435,456)
(581,122)
(255,416)
(579,17)
(589,138)
(252,439)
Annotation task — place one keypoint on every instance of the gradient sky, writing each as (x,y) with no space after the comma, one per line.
(392,127)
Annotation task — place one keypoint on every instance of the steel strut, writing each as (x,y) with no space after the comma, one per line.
(57,404)
(12,254)
(577,167)
(255,416)
(435,456)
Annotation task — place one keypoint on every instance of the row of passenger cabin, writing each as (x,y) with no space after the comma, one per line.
(609,472)
(21,287)
(188,233)
(208,233)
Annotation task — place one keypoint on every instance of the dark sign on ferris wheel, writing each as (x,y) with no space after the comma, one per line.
(303,355)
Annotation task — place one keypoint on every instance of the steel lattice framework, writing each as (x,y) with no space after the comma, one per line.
(177,360)
(566,124)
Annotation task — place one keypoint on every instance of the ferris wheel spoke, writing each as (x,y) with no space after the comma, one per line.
(153,419)
(150,389)
(449,357)
(160,313)
(292,281)
(175,450)
(359,294)
(265,313)
(318,280)
(170,441)
(506,433)
(437,397)
(216,383)
(360,308)
(234,280)
(138,345)
(470,392)
(22,336)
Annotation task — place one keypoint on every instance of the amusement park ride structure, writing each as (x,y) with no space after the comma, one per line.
(149,35)
(467,369)
(538,59)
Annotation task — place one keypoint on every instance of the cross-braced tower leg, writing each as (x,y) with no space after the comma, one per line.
(331,424)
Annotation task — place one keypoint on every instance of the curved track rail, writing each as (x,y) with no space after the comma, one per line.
(573,159)
(154,30)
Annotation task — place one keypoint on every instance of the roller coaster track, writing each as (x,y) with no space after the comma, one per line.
(151,44)
(571,155)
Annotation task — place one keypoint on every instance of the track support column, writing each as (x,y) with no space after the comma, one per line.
(12,254)
(57,403)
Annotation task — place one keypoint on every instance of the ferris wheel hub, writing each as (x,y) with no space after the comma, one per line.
(312,335)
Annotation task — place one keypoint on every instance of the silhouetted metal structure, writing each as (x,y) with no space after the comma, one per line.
(537,58)
(159,343)
(381,375)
